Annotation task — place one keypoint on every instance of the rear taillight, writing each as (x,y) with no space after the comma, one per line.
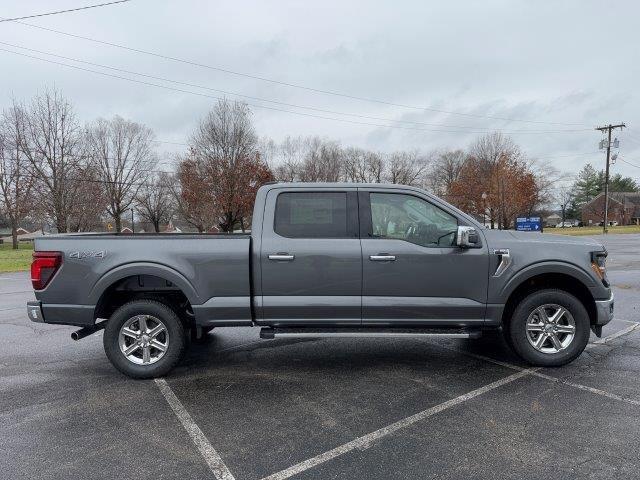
(44,267)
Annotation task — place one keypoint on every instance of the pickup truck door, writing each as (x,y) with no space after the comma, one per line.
(310,258)
(413,274)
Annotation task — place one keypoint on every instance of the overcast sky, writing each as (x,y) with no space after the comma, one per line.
(570,65)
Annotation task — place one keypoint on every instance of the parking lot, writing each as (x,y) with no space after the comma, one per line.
(239,407)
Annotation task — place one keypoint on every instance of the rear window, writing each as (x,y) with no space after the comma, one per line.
(311,215)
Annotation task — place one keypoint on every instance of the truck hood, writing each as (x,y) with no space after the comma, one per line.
(497,238)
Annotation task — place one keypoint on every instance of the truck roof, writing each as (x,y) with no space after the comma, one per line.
(341,185)
(262,192)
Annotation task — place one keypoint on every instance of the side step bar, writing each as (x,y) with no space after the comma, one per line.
(269,332)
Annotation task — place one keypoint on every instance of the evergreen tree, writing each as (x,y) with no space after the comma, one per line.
(587,186)
(618,183)
(590,183)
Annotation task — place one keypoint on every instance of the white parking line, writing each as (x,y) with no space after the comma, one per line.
(213,459)
(366,440)
(597,391)
(240,346)
(623,320)
(617,334)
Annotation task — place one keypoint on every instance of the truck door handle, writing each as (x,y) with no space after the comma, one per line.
(281,257)
(382,257)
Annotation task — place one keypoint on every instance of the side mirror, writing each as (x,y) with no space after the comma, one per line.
(466,237)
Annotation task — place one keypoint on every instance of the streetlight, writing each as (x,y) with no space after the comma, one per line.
(484,209)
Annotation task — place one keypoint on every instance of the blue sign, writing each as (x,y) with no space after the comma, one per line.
(529,224)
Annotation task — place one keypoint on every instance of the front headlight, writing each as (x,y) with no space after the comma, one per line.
(599,265)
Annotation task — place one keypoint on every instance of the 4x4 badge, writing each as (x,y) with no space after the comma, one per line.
(91,254)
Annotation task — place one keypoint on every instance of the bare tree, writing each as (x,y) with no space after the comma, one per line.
(155,202)
(16,182)
(123,152)
(363,166)
(490,153)
(445,171)
(289,158)
(489,148)
(407,168)
(323,161)
(52,143)
(564,196)
(547,177)
(224,155)
(193,199)
(226,132)
(89,207)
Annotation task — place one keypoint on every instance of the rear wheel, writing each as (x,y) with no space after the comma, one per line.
(144,339)
(549,328)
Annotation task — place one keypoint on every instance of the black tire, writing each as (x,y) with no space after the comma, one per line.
(174,331)
(516,330)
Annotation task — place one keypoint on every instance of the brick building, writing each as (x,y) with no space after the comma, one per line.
(624,208)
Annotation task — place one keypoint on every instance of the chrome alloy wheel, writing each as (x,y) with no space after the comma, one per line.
(143,339)
(550,328)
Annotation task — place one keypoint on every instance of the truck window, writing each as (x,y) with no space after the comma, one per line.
(405,217)
(311,215)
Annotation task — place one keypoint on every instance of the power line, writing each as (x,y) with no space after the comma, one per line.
(63,11)
(354,122)
(565,156)
(171,143)
(628,163)
(333,112)
(289,84)
(632,138)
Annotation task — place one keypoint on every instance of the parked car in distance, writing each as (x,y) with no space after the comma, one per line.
(326,260)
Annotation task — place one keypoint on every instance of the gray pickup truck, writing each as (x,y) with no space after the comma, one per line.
(326,260)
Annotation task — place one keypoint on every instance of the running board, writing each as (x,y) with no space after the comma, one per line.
(269,333)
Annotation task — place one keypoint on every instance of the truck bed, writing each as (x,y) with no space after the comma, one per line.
(212,271)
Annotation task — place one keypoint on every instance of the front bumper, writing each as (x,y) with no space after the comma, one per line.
(604,311)
(34,310)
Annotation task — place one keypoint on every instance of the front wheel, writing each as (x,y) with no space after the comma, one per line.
(549,328)
(144,339)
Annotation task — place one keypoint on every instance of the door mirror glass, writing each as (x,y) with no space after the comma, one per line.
(466,237)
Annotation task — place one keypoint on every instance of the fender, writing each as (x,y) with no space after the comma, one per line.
(535,269)
(143,268)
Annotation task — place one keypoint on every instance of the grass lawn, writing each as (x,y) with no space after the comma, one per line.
(15,260)
(593,230)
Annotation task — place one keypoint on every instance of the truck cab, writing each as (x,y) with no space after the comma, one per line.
(366,256)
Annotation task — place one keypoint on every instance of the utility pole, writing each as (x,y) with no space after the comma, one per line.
(608,128)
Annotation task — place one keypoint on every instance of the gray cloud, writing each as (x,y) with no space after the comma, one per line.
(544,61)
